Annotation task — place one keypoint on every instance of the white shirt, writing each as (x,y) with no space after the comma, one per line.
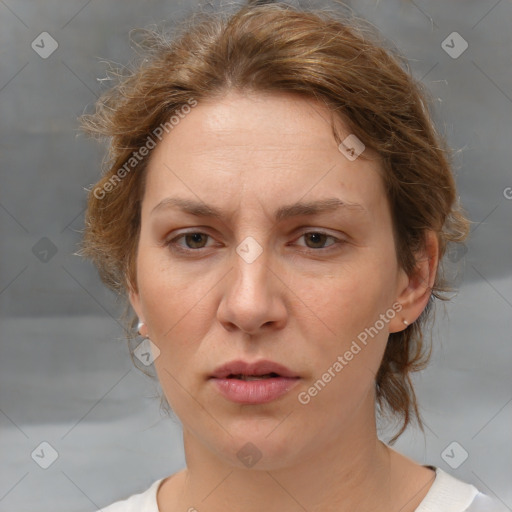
(447,494)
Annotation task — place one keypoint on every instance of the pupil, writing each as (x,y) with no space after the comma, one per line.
(196,238)
(317,235)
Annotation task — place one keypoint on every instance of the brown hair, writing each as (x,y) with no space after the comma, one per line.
(278,48)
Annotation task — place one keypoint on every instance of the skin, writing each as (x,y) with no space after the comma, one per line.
(300,303)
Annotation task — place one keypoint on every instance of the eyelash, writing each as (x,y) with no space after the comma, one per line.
(172,244)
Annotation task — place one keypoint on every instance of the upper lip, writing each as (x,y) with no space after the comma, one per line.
(261,367)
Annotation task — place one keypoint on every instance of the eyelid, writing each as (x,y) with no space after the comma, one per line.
(175,246)
(171,242)
(320,232)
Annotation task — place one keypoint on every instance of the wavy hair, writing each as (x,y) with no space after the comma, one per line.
(337,59)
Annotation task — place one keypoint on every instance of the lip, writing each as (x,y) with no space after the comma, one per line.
(254,391)
(261,367)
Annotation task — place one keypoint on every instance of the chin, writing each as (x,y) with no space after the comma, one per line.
(258,445)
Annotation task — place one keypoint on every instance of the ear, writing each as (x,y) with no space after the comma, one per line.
(414,291)
(135,302)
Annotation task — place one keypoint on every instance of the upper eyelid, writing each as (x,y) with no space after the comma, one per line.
(302,233)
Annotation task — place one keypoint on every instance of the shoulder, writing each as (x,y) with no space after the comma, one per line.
(449,494)
(142,502)
(484,503)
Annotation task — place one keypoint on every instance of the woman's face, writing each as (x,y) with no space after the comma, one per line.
(298,289)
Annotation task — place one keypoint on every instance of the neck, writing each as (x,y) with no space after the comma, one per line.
(346,470)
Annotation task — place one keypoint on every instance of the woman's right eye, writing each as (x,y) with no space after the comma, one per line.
(193,240)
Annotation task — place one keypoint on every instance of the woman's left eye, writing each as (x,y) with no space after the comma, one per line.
(198,240)
(319,238)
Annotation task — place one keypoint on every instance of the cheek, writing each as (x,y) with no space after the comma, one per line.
(346,322)
(175,308)
(170,293)
(344,349)
(347,301)
(174,304)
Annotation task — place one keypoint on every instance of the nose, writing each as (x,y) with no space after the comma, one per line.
(254,296)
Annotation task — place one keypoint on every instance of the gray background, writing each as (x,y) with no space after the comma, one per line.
(65,373)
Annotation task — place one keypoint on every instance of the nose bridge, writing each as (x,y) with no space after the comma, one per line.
(251,297)
(251,276)
(254,232)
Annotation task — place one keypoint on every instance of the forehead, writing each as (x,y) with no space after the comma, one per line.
(252,121)
(276,147)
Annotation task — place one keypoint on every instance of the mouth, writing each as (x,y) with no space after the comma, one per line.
(254,389)
(241,376)
(243,370)
(255,383)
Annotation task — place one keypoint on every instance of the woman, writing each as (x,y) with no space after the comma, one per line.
(275,208)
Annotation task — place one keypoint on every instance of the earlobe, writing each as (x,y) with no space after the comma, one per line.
(135,303)
(415,290)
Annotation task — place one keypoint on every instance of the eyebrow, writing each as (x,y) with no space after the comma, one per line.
(200,209)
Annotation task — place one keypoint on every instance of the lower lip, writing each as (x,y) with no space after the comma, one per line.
(255,391)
